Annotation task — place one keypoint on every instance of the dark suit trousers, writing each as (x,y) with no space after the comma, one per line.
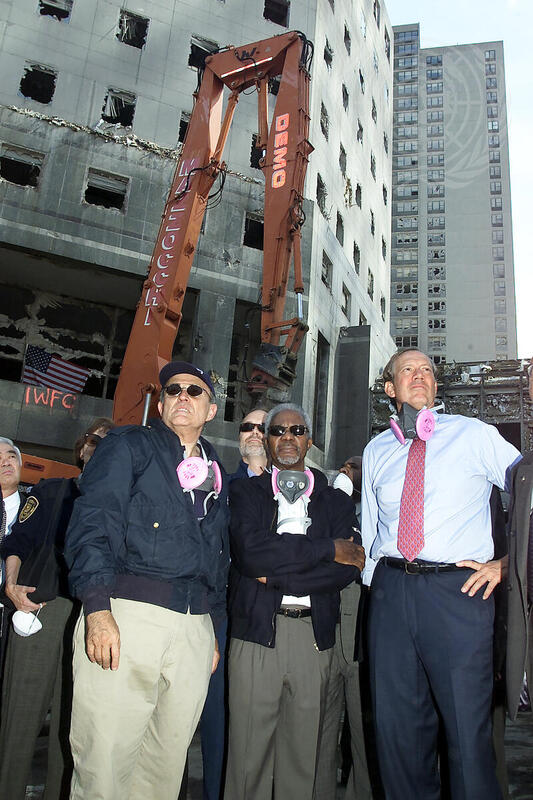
(213,724)
(37,676)
(430,651)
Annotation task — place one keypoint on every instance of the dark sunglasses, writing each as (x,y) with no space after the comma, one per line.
(279,430)
(174,389)
(247,427)
(92,439)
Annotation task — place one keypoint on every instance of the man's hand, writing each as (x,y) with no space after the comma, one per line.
(346,552)
(262,579)
(102,639)
(490,573)
(19,597)
(216,657)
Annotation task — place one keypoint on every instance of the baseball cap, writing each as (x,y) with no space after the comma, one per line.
(183,367)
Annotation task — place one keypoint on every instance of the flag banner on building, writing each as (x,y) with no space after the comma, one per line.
(45,369)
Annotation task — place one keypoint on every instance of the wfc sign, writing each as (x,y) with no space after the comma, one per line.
(281,139)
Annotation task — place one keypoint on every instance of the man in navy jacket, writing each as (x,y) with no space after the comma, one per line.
(148,555)
(292,553)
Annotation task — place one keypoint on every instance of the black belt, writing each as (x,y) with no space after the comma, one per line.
(295,613)
(419,567)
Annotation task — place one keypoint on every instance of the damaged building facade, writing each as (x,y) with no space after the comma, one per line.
(94,104)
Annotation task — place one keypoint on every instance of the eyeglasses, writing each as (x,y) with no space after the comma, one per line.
(193,390)
(92,439)
(247,427)
(279,430)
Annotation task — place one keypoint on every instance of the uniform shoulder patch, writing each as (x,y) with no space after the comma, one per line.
(28,508)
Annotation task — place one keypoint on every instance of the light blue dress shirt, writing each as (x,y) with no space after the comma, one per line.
(464,457)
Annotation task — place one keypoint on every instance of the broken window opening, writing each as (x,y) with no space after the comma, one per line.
(277,11)
(253,232)
(359,195)
(256,153)
(347,40)
(346,302)
(200,49)
(345,97)
(385,195)
(372,224)
(60,9)
(324,120)
(21,167)
(356,257)
(321,195)
(383,248)
(374,111)
(362,81)
(348,193)
(119,108)
(383,307)
(327,270)
(360,131)
(106,190)
(342,160)
(370,284)
(339,229)
(328,54)
(132,29)
(373,165)
(185,118)
(38,83)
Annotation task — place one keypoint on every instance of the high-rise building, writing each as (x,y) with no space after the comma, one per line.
(94,103)
(452,274)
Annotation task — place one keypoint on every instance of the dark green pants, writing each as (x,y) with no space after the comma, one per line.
(37,677)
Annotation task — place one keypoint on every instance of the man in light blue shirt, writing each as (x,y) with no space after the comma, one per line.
(431,615)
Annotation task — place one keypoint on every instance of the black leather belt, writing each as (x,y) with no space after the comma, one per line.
(419,567)
(295,613)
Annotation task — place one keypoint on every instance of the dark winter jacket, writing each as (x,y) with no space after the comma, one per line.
(134,534)
(293,564)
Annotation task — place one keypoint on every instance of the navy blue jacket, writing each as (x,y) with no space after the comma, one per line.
(293,564)
(134,534)
(27,535)
(240,472)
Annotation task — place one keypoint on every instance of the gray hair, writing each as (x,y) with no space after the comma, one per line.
(5,440)
(287,407)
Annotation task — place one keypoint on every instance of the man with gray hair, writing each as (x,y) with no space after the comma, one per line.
(292,543)
(10,466)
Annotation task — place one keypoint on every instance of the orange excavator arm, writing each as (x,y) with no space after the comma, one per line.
(286,150)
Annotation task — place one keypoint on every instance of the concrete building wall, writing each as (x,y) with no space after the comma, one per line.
(453,247)
(60,250)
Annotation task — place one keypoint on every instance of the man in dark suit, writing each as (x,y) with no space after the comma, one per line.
(292,553)
(520,583)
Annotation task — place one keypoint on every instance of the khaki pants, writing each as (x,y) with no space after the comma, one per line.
(131,728)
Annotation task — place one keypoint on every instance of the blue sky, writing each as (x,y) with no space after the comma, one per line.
(465,21)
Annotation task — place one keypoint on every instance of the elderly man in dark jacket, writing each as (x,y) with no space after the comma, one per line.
(148,552)
(291,538)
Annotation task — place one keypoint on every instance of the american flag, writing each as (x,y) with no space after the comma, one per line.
(44,369)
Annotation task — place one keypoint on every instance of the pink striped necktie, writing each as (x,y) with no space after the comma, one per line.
(411,522)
